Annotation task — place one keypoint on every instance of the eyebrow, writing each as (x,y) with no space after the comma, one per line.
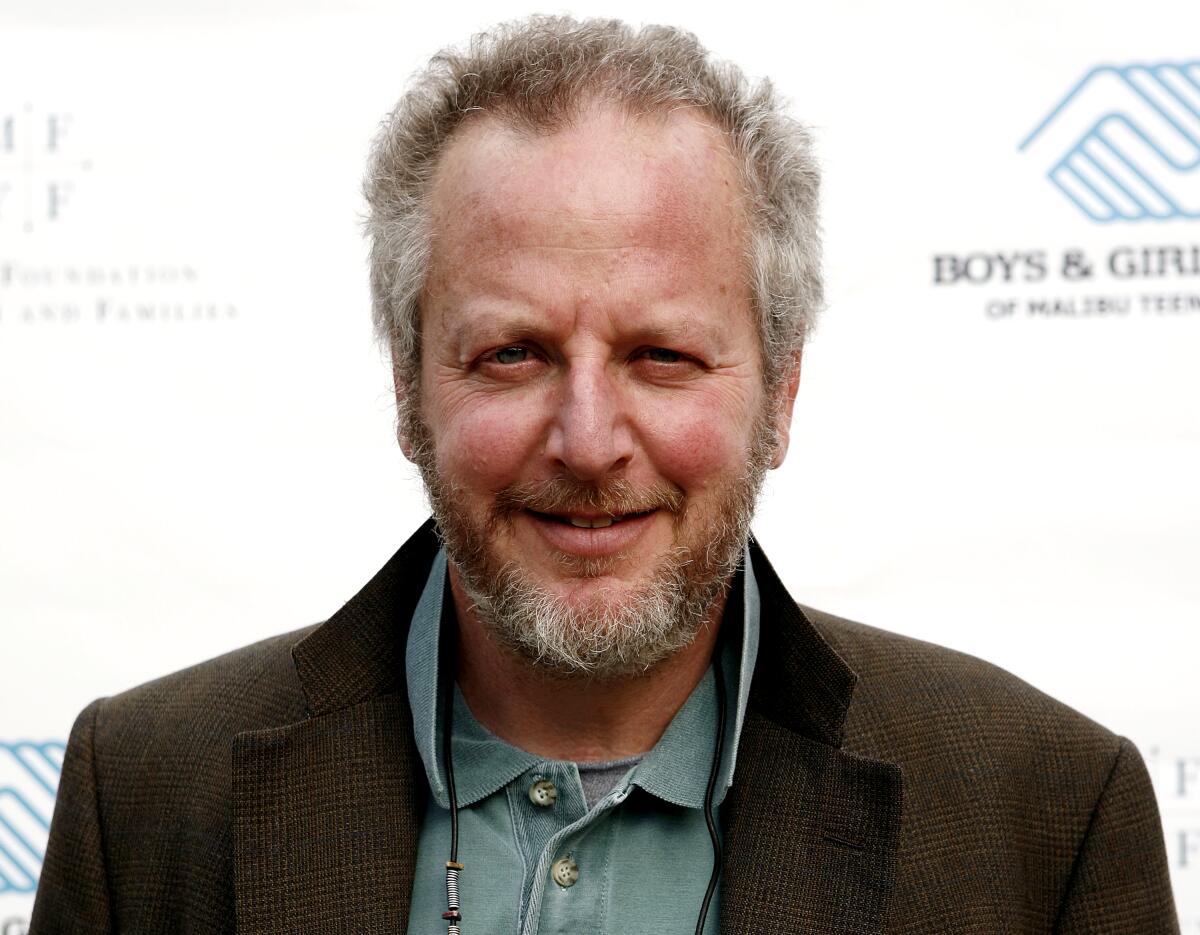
(514,327)
(525,325)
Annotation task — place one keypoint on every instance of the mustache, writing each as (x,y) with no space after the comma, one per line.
(614,497)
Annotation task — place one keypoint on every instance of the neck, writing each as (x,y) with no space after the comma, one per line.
(605,719)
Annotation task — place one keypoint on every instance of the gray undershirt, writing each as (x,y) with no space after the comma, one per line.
(599,779)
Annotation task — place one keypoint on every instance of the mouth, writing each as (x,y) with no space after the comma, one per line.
(589,521)
(590,533)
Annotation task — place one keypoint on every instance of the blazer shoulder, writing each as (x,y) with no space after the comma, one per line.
(196,712)
(944,697)
(1043,800)
(153,771)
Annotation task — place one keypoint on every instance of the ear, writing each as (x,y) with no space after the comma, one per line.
(406,445)
(402,402)
(784,403)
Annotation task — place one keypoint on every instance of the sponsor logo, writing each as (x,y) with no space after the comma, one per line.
(29,774)
(39,167)
(1124,143)
(128,294)
(1162,280)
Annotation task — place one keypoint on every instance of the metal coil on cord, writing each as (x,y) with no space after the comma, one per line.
(453,913)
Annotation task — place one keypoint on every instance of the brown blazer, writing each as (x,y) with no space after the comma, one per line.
(883,785)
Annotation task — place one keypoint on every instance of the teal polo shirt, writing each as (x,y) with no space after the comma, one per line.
(537,859)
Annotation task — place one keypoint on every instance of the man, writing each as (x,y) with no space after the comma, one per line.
(594,256)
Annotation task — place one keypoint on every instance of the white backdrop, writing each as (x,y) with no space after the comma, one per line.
(196,431)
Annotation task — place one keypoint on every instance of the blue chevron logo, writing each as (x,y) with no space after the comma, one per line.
(29,774)
(1124,143)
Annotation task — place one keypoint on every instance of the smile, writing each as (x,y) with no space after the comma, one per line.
(588,522)
(590,535)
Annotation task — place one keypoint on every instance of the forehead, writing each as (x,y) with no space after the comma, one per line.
(610,180)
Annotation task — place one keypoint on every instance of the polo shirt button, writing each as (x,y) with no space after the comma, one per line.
(565,872)
(543,793)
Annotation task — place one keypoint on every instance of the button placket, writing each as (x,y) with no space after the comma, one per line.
(582,906)
(538,826)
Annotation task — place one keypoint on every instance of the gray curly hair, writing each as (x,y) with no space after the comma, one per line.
(537,73)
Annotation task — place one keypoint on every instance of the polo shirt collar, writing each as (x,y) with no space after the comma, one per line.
(677,769)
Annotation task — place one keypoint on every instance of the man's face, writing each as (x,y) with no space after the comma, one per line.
(594,420)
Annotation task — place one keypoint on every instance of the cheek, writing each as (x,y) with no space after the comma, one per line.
(486,444)
(695,445)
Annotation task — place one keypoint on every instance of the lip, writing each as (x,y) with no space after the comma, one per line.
(590,543)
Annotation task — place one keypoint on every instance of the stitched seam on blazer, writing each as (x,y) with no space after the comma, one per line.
(1075,864)
(108,895)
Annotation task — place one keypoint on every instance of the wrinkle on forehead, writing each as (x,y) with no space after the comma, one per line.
(609,181)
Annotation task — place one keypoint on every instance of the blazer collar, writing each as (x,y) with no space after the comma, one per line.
(811,830)
(800,682)
(358,653)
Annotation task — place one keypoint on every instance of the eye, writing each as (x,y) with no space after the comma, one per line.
(666,365)
(510,362)
(511,355)
(662,355)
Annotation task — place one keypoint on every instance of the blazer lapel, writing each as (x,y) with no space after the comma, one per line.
(326,815)
(326,811)
(811,831)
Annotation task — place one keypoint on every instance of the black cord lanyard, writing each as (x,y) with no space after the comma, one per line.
(709,817)
(453,913)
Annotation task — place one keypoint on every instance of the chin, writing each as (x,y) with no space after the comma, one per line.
(602,627)
(571,572)
(597,597)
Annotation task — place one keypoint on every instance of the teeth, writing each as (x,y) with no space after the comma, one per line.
(593,523)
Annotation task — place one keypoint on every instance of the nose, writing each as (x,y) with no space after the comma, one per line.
(590,436)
